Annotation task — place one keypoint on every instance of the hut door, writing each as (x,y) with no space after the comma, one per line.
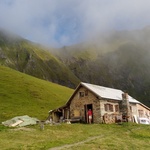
(86,108)
(85,113)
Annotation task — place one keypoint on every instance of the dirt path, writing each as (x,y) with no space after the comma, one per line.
(76,144)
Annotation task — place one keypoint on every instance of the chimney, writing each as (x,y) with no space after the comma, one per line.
(125,107)
(124,96)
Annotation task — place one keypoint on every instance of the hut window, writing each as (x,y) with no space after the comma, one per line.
(108,107)
(81,94)
(116,108)
(86,93)
(141,113)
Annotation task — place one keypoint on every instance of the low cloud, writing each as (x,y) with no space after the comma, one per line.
(65,22)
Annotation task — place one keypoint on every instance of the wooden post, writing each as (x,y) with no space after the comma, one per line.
(42,125)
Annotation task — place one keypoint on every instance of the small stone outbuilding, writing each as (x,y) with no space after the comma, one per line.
(107,104)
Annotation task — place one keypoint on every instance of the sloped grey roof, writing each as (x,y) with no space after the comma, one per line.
(106,92)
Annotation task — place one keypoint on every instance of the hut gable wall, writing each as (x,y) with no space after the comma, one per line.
(84,97)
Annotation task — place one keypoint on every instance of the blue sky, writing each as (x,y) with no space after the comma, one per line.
(59,23)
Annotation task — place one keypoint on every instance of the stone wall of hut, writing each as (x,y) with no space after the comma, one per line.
(133,109)
(109,110)
(84,97)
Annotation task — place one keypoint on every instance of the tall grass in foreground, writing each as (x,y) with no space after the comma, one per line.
(107,137)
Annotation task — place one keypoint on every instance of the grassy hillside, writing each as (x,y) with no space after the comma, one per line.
(21,94)
(119,59)
(33,59)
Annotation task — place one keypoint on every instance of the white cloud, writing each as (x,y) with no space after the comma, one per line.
(63,22)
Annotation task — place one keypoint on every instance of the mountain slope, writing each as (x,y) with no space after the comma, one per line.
(34,60)
(118,60)
(21,94)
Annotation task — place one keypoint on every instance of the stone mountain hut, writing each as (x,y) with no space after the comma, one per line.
(107,104)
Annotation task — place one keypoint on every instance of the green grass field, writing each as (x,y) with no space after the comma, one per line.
(76,137)
(21,94)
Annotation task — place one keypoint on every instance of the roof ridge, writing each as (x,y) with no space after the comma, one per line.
(101,86)
(107,92)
